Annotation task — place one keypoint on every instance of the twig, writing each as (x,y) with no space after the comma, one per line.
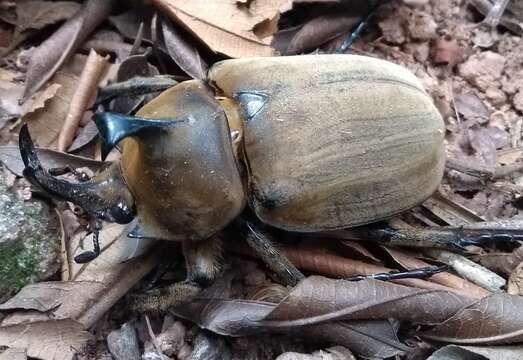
(485,172)
(494,15)
(153,339)
(469,269)
(84,93)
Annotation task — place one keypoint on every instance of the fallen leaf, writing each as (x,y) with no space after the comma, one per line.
(13,354)
(10,93)
(455,352)
(133,66)
(472,108)
(183,51)
(10,157)
(333,353)
(50,340)
(45,123)
(224,26)
(36,14)
(93,287)
(497,319)
(515,281)
(129,22)
(47,58)
(320,30)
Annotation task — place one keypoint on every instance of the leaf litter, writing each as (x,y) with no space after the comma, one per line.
(475,88)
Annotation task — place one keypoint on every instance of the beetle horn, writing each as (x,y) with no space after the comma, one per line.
(105,197)
(114,127)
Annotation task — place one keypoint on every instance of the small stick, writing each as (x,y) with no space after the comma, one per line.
(84,93)
(494,15)
(154,340)
(469,269)
(485,172)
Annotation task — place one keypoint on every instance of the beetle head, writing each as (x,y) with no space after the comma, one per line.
(105,196)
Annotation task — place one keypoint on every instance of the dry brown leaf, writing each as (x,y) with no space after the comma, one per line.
(45,123)
(320,30)
(515,281)
(47,58)
(50,340)
(497,319)
(129,22)
(359,311)
(94,287)
(13,354)
(472,108)
(455,352)
(36,14)
(226,27)
(10,157)
(183,51)
(10,95)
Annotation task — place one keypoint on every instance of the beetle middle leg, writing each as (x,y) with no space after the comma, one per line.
(270,255)
(203,261)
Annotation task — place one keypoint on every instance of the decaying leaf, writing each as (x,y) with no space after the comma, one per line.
(45,123)
(32,15)
(455,352)
(13,354)
(183,51)
(496,319)
(47,58)
(49,340)
(226,27)
(10,157)
(472,108)
(129,22)
(91,291)
(319,31)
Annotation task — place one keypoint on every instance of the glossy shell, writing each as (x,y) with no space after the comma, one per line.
(185,179)
(333,141)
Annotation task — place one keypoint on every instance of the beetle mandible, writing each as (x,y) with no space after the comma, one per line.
(310,143)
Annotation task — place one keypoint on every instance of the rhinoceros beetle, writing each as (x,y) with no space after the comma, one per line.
(310,143)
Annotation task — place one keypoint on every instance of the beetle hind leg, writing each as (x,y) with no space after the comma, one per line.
(203,260)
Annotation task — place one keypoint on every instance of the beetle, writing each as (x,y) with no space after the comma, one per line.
(309,143)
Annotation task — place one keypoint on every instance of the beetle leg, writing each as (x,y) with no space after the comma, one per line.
(161,299)
(420,273)
(203,260)
(270,255)
(446,237)
(79,175)
(94,228)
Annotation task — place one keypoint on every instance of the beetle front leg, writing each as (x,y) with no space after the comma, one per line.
(203,261)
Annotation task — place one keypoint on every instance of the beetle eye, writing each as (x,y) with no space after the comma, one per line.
(121,213)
